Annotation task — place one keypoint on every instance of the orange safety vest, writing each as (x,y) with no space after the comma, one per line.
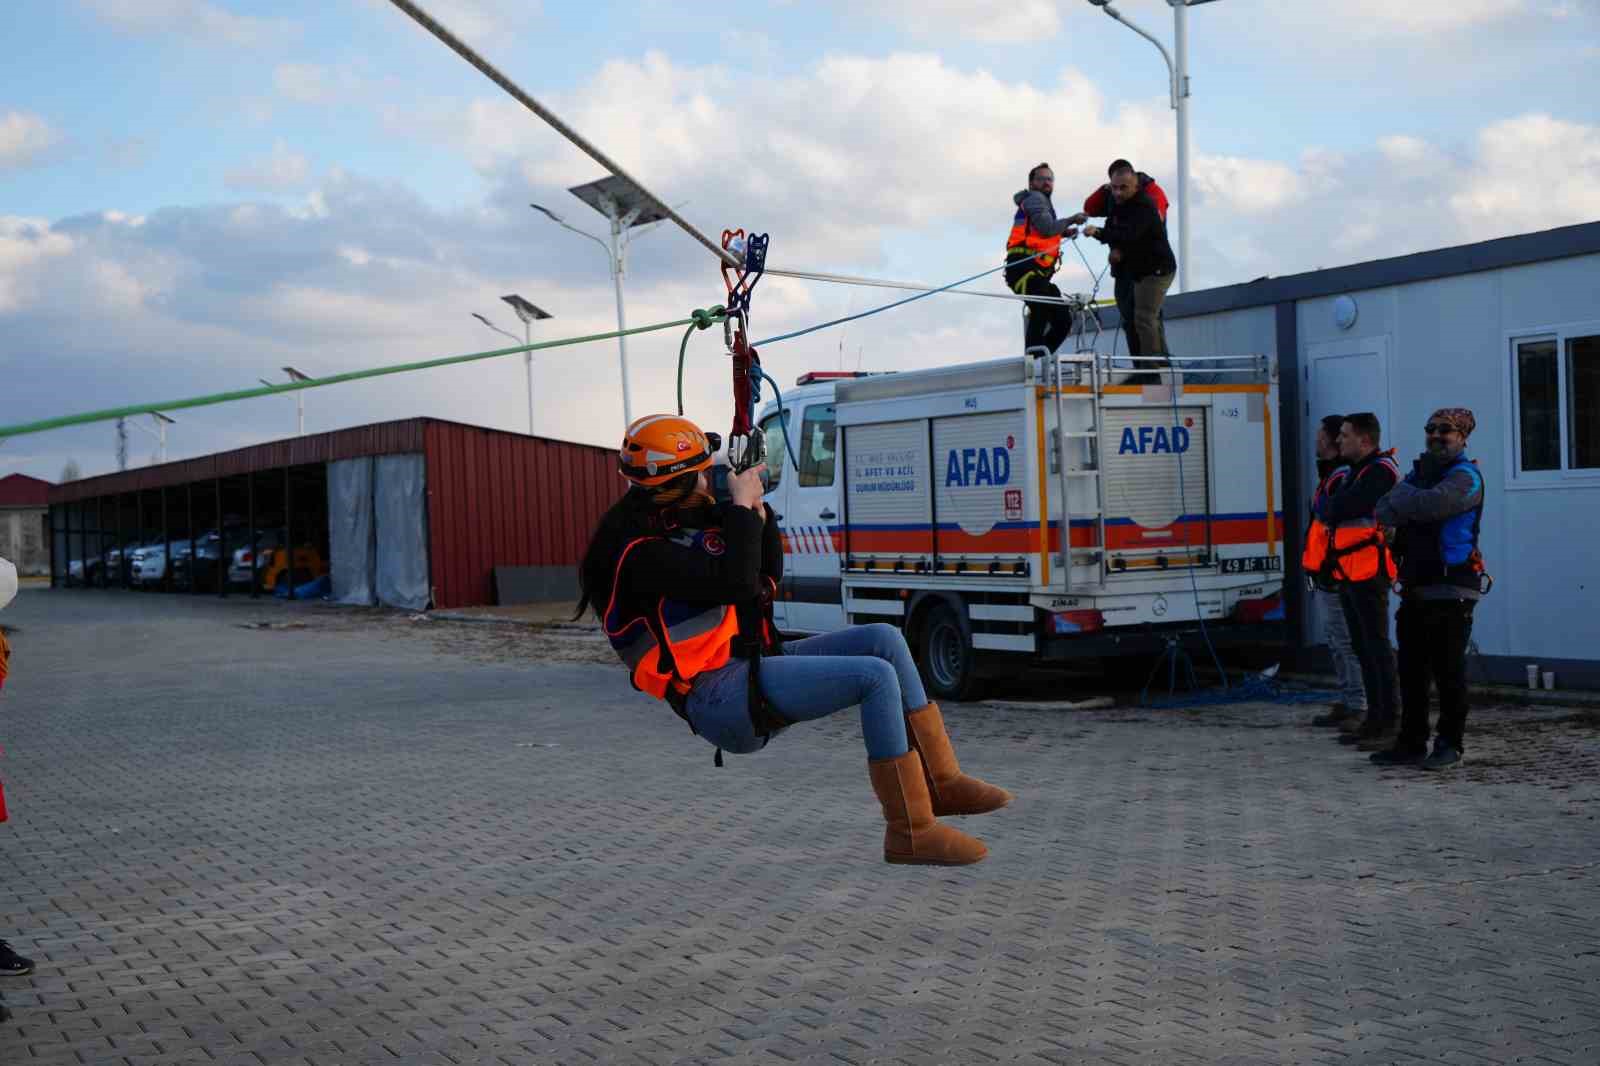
(1354,550)
(667,648)
(1023,239)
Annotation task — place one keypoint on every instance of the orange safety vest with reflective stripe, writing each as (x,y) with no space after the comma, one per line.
(1022,240)
(1353,550)
(667,648)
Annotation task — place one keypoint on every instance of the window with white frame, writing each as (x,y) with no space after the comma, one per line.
(1556,402)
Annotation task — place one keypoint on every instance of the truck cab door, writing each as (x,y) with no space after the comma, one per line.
(812,524)
(779,477)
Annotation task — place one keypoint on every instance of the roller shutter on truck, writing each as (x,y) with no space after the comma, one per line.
(888,496)
(981,492)
(1142,450)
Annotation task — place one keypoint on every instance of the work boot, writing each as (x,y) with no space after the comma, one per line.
(12,964)
(1398,756)
(951,791)
(1354,732)
(1444,756)
(1336,715)
(913,835)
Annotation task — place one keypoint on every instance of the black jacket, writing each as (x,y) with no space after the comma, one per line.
(1135,229)
(1370,481)
(733,568)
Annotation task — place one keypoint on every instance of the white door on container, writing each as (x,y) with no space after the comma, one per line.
(779,477)
(1346,376)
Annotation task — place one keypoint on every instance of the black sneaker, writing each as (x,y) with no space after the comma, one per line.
(12,964)
(1399,757)
(1444,757)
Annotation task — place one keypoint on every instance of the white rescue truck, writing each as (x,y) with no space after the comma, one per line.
(936,500)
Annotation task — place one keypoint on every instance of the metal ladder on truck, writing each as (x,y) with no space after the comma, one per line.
(1056,379)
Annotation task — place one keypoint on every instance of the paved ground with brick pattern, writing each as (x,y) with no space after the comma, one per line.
(358,838)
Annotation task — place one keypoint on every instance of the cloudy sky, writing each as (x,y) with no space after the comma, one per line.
(195,193)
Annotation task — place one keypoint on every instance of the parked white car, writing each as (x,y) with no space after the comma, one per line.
(149,564)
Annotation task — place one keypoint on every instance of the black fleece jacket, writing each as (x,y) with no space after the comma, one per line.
(1369,482)
(695,569)
(1135,229)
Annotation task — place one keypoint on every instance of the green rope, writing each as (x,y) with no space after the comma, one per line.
(354,375)
(699,318)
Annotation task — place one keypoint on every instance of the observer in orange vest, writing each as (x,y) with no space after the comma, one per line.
(684,586)
(1033,255)
(1346,547)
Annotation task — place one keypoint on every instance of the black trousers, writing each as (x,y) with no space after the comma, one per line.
(1366,611)
(1123,291)
(1433,647)
(1048,324)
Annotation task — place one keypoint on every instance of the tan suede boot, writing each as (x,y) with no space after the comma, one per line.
(912,835)
(951,791)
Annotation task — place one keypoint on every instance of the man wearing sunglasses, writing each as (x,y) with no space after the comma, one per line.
(1436,512)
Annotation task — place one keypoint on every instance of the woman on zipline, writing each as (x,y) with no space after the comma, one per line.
(684,588)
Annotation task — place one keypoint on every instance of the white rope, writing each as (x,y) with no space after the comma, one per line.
(879,283)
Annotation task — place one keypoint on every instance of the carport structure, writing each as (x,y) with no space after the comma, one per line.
(415,513)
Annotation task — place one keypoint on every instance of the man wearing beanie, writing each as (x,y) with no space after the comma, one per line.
(1436,512)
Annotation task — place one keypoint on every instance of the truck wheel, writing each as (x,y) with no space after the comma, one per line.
(948,663)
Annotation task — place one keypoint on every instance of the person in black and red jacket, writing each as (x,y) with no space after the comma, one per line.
(1352,703)
(1351,512)
(1141,257)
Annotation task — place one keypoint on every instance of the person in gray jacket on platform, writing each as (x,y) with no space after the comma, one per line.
(1033,255)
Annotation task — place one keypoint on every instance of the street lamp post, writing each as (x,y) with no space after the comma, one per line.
(529,315)
(160,432)
(299,397)
(1178,88)
(625,206)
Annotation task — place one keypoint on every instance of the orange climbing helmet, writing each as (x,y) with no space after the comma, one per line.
(658,448)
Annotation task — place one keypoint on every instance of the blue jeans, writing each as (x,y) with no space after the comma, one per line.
(868,665)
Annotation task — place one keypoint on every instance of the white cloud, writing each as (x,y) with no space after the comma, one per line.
(311,83)
(1424,16)
(479,20)
(304,83)
(907,144)
(1531,169)
(899,166)
(25,139)
(1244,186)
(990,21)
(283,169)
(24,242)
(196,18)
